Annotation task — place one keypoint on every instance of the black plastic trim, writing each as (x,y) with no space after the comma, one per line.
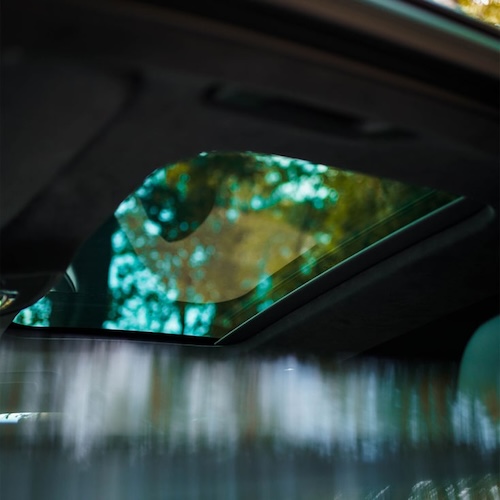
(281,22)
(23,332)
(443,218)
(302,115)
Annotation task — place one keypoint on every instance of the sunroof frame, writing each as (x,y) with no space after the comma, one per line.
(137,278)
(262,328)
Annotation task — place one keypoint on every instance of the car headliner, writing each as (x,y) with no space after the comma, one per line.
(95,95)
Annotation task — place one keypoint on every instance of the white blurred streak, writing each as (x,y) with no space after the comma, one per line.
(156,397)
(473,424)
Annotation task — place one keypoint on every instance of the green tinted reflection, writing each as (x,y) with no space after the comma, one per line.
(204,245)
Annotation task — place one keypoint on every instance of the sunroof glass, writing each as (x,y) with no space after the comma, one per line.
(203,245)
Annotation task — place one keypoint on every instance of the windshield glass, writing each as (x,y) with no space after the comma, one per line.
(203,245)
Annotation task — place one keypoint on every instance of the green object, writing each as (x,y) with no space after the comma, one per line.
(480,368)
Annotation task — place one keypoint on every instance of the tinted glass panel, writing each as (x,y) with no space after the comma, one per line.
(203,245)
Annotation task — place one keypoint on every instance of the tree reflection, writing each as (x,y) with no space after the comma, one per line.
(225,235)
(205,244)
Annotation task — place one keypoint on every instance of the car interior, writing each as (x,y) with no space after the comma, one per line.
(96,95)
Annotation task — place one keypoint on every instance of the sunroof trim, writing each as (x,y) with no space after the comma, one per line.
(443,218)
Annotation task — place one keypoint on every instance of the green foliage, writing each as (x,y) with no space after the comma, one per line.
(205,244)
(241,230)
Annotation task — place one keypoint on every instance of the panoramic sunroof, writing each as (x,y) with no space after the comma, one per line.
(205,244)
